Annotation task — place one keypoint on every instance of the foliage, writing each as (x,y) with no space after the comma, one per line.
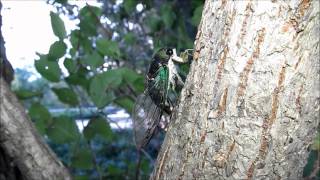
(48,69)
(98,127)
(41,116)
(63,130)
(57,25)
(101,64)
(66,95)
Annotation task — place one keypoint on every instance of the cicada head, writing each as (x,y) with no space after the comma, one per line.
(163,55)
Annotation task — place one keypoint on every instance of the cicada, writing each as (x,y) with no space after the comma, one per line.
(159,97)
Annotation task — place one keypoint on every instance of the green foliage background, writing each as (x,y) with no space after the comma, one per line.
(97,66)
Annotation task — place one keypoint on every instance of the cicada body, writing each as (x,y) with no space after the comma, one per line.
(158,98)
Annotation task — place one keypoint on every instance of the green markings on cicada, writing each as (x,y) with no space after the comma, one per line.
(159,97)
(164,83)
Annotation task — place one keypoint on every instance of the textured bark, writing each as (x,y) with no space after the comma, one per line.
(6,70)
(8,170)
(250,107)
(19,140)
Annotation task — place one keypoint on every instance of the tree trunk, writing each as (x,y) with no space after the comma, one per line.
(23,153)
(250,106)
(19,140)
(6,70)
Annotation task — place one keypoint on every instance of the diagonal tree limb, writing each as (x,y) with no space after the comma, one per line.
(20,140)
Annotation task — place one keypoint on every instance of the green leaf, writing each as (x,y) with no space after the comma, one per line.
(197,15)
(111,79)
(138,85)
(66,95)
(72,52)
(167,15)
(71,65)
(79,78)
(89,20)
(114,170)
(74,38)
(99,93)
(130,38)
(57,50)
(76,79)
(88,27)
(128,75)
(38,112)
(26,94)
(57,25)
(41,116)
(48,69)
(101,99)
(91,10)
(82,159)
(145,166)
(102,85)
(86,45)
(94,60)
(63,130)
(108,48)
(153,21)
(61,1)
(184,41)
(133,79)
(98,127)
(79,38)
(129,6)
(125,102)
(81,177)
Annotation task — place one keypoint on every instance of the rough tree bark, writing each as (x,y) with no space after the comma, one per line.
(6,70)
(23,153)
(250,107)
(20,140)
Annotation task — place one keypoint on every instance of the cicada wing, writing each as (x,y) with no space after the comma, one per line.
(146,117)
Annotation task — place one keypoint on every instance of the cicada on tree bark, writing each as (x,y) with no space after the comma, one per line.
(160,96)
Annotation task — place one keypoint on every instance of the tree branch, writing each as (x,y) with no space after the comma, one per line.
(20,140)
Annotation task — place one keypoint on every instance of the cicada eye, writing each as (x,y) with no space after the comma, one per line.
(169,52)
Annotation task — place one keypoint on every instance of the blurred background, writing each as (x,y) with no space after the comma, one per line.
(79,66)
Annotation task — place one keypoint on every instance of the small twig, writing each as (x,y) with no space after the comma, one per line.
(148,156)
(94,161)
(94,157)
(110,120)
(132,91)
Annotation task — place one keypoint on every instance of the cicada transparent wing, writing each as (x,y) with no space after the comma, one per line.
(150,106)
(146,117)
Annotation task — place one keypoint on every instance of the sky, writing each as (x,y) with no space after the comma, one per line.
(27,29)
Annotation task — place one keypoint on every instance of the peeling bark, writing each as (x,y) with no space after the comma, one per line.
(250,106)
(24,146)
